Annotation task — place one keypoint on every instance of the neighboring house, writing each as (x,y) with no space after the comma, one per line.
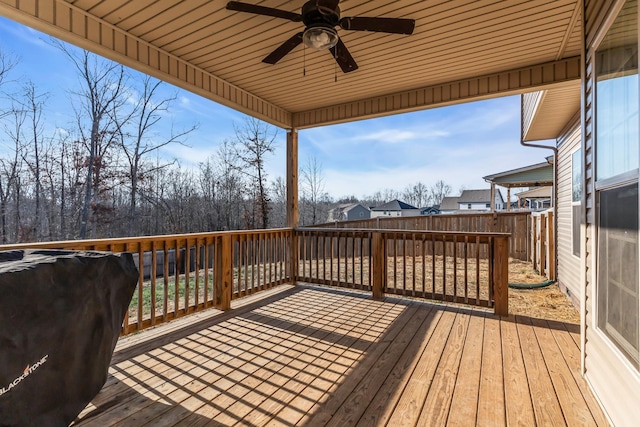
(535,199)
(349,212)
(431,210)
(394,208)
(471,201)
(531,176)
(595,127)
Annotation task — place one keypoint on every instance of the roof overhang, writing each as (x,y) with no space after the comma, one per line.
(540,174)
(458,52)
(546,113)
(537,193)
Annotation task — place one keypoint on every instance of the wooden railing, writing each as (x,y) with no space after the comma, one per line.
(517,224)
(469,268)
(188,273)
(183,274)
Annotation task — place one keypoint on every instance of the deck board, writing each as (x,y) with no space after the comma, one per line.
(491,406)
(464,404)
(313,356)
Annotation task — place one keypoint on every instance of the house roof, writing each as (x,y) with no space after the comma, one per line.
(394,205)
(527,176)
(346,207)
(467,196)
(536,193)
(459,52)
(449,204)
(476,196)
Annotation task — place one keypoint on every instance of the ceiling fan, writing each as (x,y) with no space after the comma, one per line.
(320,18)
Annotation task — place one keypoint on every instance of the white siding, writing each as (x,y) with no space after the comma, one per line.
(477,206)
(568,263)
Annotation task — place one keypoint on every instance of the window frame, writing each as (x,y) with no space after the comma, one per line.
(601,185)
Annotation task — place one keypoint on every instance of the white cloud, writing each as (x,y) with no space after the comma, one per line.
(389,136)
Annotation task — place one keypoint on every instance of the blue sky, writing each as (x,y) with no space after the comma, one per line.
(458,144)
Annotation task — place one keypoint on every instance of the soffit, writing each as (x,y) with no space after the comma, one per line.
(201,46)
(554,109)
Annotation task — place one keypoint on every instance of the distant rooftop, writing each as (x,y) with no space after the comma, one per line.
(394,205)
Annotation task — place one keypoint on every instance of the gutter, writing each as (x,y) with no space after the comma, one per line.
(555,179)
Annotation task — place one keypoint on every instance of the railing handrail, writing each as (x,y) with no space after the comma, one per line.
(402,231)
(67,244)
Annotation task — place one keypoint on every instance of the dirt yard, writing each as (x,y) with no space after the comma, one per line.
(547,303)
(425,274)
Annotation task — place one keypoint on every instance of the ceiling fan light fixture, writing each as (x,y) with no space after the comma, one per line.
(320,37)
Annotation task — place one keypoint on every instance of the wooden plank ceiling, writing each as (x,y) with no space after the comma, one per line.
(460,50)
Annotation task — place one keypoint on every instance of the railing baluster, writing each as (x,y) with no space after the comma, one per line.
(424,266)
(353,261)
(187,276)
(140,286)
(331,248)
(206,273)
(154,260)
(444,268)
(196,292)
(165,298)
(455,267)
(176,281)
(477,270)
(433,266)
(413,264)
(466,269)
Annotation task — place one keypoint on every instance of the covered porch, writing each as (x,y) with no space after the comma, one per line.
(232,332)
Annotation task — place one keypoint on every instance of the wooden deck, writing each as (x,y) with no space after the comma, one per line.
(313,356)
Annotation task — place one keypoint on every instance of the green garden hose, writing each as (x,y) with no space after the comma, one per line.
(531,286)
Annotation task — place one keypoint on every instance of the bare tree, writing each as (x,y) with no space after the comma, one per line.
(231,186)
(254,141)
(102,86)
(10,174)
(312,186)
(417,195)
(279,203)
(439,191)
(136,137)
(33,104)
(7,63)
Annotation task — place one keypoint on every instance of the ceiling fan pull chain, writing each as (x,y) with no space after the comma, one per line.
(304,61)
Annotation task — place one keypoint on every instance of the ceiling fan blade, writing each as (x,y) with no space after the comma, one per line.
(284,48)
(383,25)
(262,10)
(343,57)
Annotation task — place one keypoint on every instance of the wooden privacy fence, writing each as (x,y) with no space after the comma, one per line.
(468,268)
(517,224)
(543,245)
(183,274)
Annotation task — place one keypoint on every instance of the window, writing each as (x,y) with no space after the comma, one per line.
(576,199)
(617,152)
(469,206)
(488,205)
(618,272)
